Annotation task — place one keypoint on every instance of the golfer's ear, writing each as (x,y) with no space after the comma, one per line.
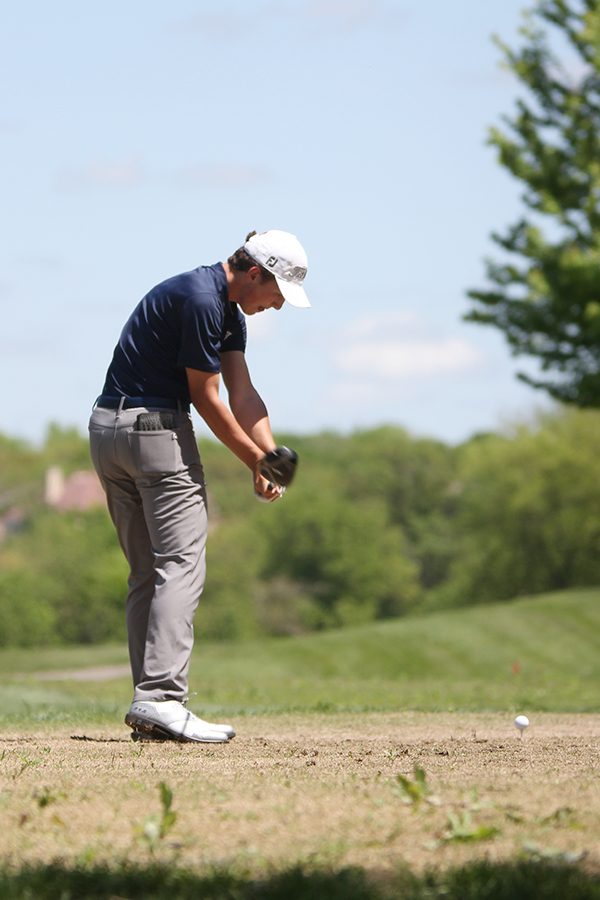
(254,272)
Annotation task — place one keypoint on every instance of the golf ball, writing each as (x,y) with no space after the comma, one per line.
(521,722)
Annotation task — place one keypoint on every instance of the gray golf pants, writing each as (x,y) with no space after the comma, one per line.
(156,497)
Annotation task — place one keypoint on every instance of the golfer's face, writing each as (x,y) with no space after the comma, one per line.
(256,295)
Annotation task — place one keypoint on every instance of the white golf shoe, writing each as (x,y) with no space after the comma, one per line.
(170,720)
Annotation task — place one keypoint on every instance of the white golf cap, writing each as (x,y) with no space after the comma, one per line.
(282,254)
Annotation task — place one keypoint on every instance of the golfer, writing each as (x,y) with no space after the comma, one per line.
(182,337)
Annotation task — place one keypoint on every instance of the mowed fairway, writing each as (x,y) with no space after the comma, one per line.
(375,747)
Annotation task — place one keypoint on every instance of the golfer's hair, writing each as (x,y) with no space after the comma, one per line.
(240,261)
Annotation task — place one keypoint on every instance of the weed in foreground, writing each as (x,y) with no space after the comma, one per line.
(537,853)
(460,828)
(415,791)
(155,828)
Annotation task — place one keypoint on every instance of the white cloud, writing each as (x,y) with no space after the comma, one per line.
(43,262)
(220,24)
(345,14)
(407,358)
(399,345)
(223,175)
(332,16)
(10,126)
(14,346)
(119,174)
(377,324)
(350,394)
(130,173)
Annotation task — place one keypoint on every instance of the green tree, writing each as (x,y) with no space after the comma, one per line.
(233,555)
(413,477)
(545,293)
(68,571)
(26,620)
(346,556)
(21,474)
(66,447)
(528,517)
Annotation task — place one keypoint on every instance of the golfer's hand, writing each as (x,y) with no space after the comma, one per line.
(265,490)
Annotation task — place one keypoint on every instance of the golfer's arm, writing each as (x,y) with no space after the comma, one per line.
(246,404)
(204,394)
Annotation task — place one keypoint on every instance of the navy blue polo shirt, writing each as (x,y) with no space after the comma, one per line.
(184,322)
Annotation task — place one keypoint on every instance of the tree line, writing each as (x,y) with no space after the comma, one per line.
(379,524)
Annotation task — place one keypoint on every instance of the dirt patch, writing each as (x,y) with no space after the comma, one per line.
(324,789)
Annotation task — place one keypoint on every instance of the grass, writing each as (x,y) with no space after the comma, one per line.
(538,654)
(535,654)
(478,881)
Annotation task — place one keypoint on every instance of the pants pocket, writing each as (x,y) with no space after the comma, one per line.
(188,447)
(155,452)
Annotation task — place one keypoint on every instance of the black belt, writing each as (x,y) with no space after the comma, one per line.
(149,402)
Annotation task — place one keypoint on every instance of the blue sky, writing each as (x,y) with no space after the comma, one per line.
(143,139)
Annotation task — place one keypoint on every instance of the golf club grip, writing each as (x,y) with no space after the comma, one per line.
(279,466)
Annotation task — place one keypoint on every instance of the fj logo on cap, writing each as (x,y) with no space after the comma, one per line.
(296,273)
(272,261)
